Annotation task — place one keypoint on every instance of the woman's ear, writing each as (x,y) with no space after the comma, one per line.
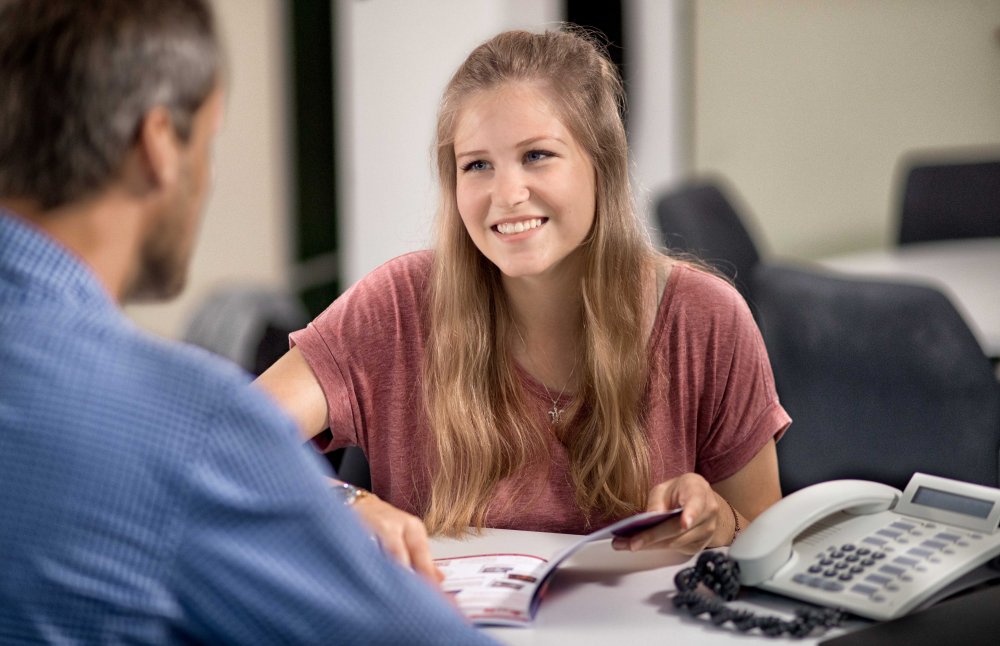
(159,149)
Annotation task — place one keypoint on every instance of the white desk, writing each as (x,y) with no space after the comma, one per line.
(608,598)
(967,271)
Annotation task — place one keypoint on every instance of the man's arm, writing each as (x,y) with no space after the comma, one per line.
(270,556)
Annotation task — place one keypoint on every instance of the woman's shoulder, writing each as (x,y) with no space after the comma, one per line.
(698,295)
(387,290)
(702,287)
(410,272)
(415,264)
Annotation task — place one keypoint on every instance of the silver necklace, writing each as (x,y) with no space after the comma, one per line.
(555,414)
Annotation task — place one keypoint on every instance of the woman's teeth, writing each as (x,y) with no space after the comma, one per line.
(507,228)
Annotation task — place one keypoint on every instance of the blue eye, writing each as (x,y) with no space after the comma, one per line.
(475,165)
(536,155)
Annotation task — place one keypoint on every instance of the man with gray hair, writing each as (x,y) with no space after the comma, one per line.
(149,494)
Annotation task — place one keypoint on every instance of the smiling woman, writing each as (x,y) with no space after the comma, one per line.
(442,365)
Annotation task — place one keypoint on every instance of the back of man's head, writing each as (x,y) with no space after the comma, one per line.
(78,76)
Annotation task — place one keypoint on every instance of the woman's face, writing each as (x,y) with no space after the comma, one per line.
(525,188)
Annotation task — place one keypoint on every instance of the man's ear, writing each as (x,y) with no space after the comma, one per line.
(158,148)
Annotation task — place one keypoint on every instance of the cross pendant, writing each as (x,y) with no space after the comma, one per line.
(555,414)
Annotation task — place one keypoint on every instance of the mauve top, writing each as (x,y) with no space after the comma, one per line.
(710,402)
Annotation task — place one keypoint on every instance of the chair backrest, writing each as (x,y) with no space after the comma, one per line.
(699,218)
(247,324)
(881,379)
(950,200)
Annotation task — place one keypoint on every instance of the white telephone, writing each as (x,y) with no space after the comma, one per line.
(869,549)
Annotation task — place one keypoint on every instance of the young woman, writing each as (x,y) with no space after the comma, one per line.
(544,367)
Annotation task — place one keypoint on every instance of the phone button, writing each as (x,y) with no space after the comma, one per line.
(892,569)
(866,590)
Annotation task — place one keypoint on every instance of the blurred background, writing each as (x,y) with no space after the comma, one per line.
(323,170)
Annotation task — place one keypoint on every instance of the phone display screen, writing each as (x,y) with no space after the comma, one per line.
(953,502)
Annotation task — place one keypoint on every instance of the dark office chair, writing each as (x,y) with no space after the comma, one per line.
(881,380)
(945,201)
(247,324)
(699,218)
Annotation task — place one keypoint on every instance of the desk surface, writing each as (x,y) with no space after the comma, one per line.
(601,596)
(968,271)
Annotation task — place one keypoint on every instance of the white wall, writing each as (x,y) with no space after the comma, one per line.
(806,106)
(660,87)
(245,234)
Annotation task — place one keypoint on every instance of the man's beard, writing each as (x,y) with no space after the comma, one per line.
(162,271)
(162,266)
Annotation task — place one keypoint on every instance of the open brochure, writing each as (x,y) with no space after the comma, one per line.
(505,589)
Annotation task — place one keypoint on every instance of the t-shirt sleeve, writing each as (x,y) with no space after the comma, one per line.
(364,342)
(268,556)
(741,391)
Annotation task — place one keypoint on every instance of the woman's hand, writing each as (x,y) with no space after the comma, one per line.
(401,535)
(706,519)
(712,514)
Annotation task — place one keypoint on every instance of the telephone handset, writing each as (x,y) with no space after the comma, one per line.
(870,549)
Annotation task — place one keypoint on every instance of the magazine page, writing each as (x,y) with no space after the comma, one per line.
(506,589)
(494,589)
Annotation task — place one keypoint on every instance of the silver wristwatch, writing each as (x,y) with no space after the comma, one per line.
(348,493)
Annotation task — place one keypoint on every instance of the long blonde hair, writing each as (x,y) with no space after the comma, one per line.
(472,390)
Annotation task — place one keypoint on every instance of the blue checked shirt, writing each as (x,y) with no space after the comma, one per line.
(149,496)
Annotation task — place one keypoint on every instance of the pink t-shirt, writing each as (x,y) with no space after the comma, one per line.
(711,404)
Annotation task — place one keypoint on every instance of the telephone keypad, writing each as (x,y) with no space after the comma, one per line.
(873,563)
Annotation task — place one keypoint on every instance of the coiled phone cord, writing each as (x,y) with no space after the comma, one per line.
(720,574)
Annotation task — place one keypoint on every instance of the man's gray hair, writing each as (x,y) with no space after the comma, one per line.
(78,76)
